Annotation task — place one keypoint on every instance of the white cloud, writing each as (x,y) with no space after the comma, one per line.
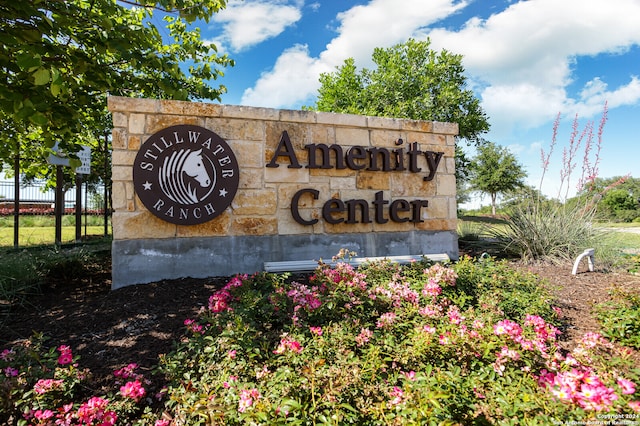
(380,23)
(247,23)
(293,77)
(524,57)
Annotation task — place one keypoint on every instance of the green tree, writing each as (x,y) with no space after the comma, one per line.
(60,59)
(410,81)
(495,170)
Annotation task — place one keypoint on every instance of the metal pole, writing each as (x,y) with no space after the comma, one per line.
(59,204)
(78,207)
(16,197)
(104,180)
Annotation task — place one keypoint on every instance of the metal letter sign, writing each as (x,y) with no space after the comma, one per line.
(185,174)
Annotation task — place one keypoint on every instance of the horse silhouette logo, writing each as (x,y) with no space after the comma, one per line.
(185,174)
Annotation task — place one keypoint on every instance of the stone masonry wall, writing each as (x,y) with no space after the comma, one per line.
(262,205)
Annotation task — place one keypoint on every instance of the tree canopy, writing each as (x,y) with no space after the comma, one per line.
(60,59)
(410,81)
(495,170)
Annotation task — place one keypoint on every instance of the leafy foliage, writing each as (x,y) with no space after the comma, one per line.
(410,81)
(620,318)
(495,170)
(60,59)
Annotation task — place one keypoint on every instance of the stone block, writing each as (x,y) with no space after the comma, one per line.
(119,138)
(445,128)
(120,119)
(437,225)
(341,119)
(123,158)
(155,123)
(341,183)
(384,123)
(121,173)
(248,153)
(446,185)
(387,138)
(254,225)
(251,113)
(288,226)
(126,104)
(251,178)
(236,129)
(137,123)
(255,202)
(133,144)
(284,174)
(201,109)
(287,191)
(350,136)
(118,196)
(219,226)
(418,125)
(373,180)
(411,185)
(438,208)
(134,225)
(295,116)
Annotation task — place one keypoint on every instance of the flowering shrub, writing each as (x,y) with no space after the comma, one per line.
(40,387)
(473,342)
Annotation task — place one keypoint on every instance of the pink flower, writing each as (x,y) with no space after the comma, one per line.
(133,390)
(43,414)
(65,355)
(411,375)
(316,330)
(193,326)
(431,288)
(364,336)
(247,399)
(386,320)
(288,344)
(94,409)
(162,423)
(627,386)
(11,372)
(126,372)
(635,406)
(43,386)
(444,339)
(397,395)
(232,354)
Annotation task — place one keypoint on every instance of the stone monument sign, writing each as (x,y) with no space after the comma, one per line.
(202,190)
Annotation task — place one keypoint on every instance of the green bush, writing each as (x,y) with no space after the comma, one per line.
(417,344)
(549,232)
(620,318)
(467,343)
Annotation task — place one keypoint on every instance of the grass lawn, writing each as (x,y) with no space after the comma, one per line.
(33,236)
(40,230)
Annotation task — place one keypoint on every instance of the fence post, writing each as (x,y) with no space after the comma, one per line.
(78,207)
(59,204)
(16,197)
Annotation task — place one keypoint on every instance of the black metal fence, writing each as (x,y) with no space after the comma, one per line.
(35,199)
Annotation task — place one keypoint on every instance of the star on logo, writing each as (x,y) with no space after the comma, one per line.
(147,186)
(223,192)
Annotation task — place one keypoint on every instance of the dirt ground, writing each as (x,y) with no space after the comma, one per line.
(110,329)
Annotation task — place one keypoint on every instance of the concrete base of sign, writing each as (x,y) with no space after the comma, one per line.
(147,260)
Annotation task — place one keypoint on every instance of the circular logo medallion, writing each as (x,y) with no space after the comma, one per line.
(185,174)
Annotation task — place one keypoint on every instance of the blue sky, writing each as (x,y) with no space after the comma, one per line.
(526,61)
